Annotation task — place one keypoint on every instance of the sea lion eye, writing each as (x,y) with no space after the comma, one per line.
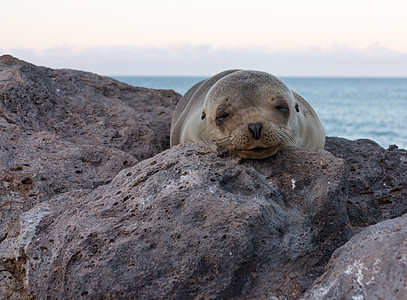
(283,109)
(203,116)
(221,117)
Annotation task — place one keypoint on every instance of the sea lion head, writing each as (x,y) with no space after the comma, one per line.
(251,113)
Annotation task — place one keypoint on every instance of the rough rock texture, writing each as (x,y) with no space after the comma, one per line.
(34,167)
(91,207)
(62,130)
(190,222)
(377,180)
(372,265)
(85,108)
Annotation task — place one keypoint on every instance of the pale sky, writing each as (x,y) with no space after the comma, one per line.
(177,37)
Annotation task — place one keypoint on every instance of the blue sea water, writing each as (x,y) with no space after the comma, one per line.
(353,108)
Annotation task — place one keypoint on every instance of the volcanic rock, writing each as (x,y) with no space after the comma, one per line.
(377,180)
(85,108)
(192,221)
(372,265)
(94,205)
(62,130)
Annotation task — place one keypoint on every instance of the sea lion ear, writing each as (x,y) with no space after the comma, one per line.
(203,116)
(299,99)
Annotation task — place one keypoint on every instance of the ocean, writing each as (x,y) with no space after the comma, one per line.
(353,108)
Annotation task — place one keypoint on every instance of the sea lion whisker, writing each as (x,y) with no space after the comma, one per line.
(286,134)
(224,138)
(288,137)
(226,141)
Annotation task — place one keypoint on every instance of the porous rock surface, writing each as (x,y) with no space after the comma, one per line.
(377,180)
(92,207)
(85,108)
(192,221)
(62,130)
(372,265)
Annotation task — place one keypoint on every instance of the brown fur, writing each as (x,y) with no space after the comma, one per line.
(224,107)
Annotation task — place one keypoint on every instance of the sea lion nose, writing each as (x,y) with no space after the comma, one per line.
(255,129)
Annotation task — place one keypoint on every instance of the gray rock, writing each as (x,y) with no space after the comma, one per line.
(35,167)
(372,265)
(377,180)
(86,108)
(54,138)
(193,222)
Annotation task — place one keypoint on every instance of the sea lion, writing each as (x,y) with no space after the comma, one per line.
(252,113)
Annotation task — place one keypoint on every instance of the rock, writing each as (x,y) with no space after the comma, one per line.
(192,222)
(372,265)
(10,288)
(91,206)
(34,167)
(62,130)
(84,108)
(377,180)
(39,165)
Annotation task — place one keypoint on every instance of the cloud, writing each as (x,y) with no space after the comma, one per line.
(185,59)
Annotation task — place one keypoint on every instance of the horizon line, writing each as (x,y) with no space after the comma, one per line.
(282,76)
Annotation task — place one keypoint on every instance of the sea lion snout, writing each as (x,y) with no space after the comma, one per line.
(255,129)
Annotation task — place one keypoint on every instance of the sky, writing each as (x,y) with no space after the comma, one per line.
(181,38)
